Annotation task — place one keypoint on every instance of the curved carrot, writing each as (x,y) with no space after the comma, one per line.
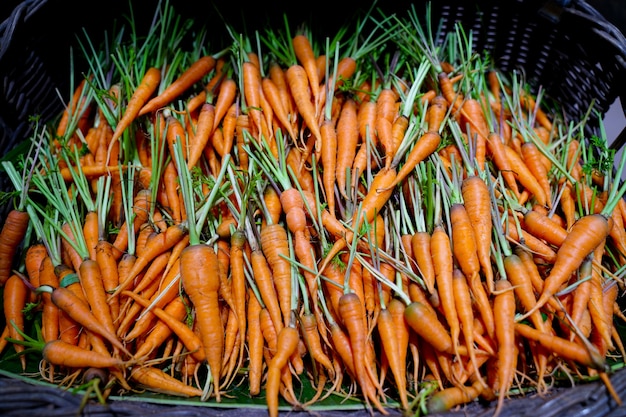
(201,67)
(298,81)
(199,141)
(16,294)
(142,93)
(288,339)
(425,145)
(154,379)
(58,352)
(305,55)
(504,313)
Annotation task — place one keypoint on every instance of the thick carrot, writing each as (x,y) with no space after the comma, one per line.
(142,93)
(265,283)
(525,176)
(33,260)
(447,398)
(436,113)
(425,323)
(11,235)
(544,227)
(201,67)
(199,274)
(386,112)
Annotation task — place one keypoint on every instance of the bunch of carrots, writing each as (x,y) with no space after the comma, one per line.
(385,218)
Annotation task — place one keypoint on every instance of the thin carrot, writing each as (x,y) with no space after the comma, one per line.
(306,56)
(533,158)
(186,335)
(424,146)
(255,344)
(200,139)
(142,93)
(201,67)
(273,96)
(275,246)
(297,79)
(226,97)
(504,313)
(525,176)
(91,280)
(16,294)
(58,352)
(155,379)
(391,344)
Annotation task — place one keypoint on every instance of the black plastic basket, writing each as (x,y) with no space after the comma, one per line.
(566,48)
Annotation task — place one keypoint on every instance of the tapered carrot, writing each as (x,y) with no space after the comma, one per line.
(544,227)
(443,258)
(141,95)
(264,281)
(201,67)
(273,96)
(525,176)
(199,274)
(255,343)
(306,56)
(225,99)
(93,286)
(79,311)
(286,345)
(385,115)
(187,336)
(58,352)
(585,235)
(274,243)
(391,345)
(353,318)
(16,294)
(200,139)
(533,158)
(297,79)
(447,398)
(155,379)
(504,313)
(425,145)
(347,137)
(328,158)
(11,235)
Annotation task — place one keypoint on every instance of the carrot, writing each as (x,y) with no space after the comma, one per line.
(441,250)
(199,274)
(79,311)
(425,323)
(154,379)
(353,318)
(58,352)
(464,308)
(33,260)
(90,277)
(275,246)
(225,99)
(201,67)
(141,95)
(495,147)
(583,355)
(50,312)
(504,313)
(425,145)
(255,343)
(537,246)
(312,339)
(11,235)
(159,244)
(525,176)
(544,228)
(265,283)
(420,243)
(585,235)
(186,335)
(16,295)
(347,141)
(305,55)
(533,158)
(200,139)
(476,200)
(436,113)
(391,344)
(374,201)
(252,89)
(238,283)
(385,115)
(447,398)
(273,96)
(328,159)
(286,345)
(297,79)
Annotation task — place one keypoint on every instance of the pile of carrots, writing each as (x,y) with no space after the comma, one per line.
(386,218)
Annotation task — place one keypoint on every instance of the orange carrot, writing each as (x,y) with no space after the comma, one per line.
(286,345)
(504,313)
(58,352)
(425,145)
(155,379)
(275,246)
(347,141)
(255,344)
(142,93)
(199,274)
(200,139)
(11,235)
(201,67)
(305,55)
(297,79)
(16,294)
